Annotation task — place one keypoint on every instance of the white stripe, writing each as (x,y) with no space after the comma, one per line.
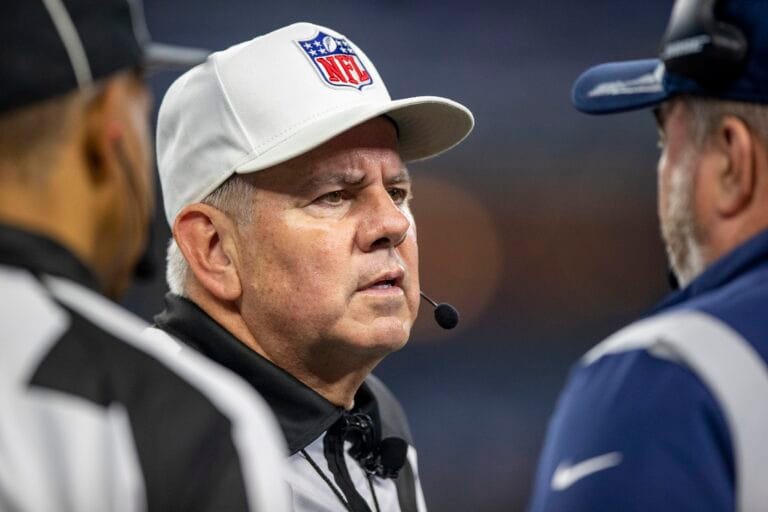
(122,463)
(421,504)
(255,432)
(685,47)
(26,313)
(64,453)
(138,20)
(732,370)
(71,39)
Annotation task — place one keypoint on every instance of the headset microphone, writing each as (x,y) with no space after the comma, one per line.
(699,45)
(446,315)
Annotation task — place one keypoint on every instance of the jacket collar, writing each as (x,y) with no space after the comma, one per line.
(302,414)
(42,255)
(733,265)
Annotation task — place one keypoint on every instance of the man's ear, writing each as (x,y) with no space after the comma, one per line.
(104,127)
(206,238)
(735,171)
(117,145)
(114,150)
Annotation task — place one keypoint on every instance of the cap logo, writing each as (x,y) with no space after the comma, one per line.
(650,83)
(336,61)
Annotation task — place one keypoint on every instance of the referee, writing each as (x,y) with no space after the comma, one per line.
(294,261)
(92,418)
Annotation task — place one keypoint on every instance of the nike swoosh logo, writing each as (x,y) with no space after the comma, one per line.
(566,474)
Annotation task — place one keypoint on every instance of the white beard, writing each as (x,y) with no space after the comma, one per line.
(679,227)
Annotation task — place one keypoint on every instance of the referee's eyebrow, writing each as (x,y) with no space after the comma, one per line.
(350,178)
(402,177)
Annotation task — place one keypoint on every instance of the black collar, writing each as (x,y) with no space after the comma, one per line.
(302,414)
(41,255)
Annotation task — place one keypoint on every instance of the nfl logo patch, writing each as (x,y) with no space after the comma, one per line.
(336,61)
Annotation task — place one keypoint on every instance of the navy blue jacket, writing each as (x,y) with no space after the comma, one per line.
(633,431)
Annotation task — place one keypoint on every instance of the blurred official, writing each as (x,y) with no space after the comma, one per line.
(92,418)
(670,413)
(294,260)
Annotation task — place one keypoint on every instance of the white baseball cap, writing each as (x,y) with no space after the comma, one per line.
(278,96)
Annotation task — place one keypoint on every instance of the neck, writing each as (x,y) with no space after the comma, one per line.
(336,377)
(726,234)
(42,206)
(728,237)
(330,377)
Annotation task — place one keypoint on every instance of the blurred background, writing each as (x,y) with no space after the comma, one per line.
(540,228)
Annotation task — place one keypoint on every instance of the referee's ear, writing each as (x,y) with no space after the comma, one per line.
(205,236)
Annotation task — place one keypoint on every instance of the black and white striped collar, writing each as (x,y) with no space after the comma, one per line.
(302,413)
(42,255)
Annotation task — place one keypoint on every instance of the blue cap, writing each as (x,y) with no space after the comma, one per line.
(637,84)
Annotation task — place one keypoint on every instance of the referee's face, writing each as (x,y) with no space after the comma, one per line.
(329,261)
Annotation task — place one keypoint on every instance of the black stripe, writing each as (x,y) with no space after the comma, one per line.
(184,443)
(42,255)
(333,449)
(395,424)
(302,413)
(405,483)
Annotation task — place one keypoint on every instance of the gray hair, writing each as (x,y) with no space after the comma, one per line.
(233,197)
(706,113)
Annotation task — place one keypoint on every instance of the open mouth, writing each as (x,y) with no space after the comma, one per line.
(385,281)
(383,284)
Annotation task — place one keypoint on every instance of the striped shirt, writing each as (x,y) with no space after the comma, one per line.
(93,417)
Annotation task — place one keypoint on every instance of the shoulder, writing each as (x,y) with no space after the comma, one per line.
(742,304)
(184,411)
(633,397)
(111,336)
(102,355)
(225,389)
(657,424)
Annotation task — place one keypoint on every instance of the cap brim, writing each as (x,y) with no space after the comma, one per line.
(427,126)
(158,56)
(620,86)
